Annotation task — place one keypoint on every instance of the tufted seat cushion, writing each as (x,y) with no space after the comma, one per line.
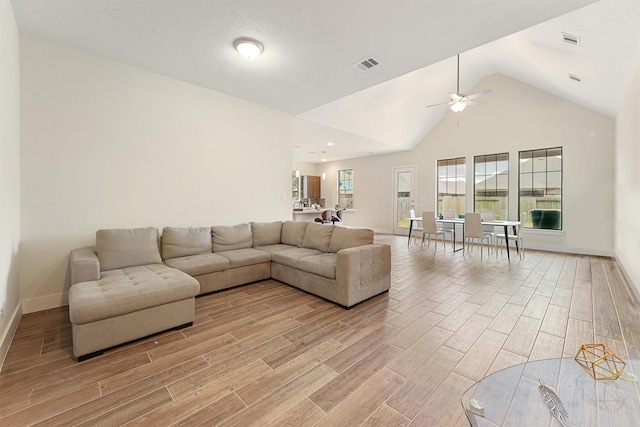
(291,257)
(323,265)
(195,265)
(243,257)
(128,290)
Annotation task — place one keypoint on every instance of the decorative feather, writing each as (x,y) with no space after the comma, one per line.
(554,404)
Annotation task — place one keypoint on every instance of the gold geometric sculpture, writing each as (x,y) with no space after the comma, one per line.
(600,362)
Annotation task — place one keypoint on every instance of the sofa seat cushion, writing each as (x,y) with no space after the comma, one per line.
(243,257)
(128,290)
(274,248)
(196,265)
(323,265)
(291,257)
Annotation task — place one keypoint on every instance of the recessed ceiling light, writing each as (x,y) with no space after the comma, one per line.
(329,143)
(248,47)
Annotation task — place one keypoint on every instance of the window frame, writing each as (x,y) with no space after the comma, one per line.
(533,190)
(345,176)
(454,164)
(497,158)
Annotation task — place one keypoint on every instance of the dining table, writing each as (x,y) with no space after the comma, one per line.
(460,222)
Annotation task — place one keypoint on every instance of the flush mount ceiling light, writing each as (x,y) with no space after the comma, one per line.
(248,47)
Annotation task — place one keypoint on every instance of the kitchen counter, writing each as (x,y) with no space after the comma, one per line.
(306,214)
(310,214)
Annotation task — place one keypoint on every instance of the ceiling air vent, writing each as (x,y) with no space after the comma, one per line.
(571,39)
(575,78)
(366,64)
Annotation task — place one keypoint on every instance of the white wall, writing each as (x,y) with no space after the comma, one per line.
(515,117)
(9,175)
(627,241)
(106,145)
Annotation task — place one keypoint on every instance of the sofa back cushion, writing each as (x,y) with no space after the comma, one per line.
(266,233)
(318,236)
(184,241)
(120,248)
(293,232)
(231,237)
(343,238)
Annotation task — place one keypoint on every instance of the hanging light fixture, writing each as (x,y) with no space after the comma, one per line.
(248,47)
(458,106)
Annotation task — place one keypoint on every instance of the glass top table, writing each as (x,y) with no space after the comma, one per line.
(511,397)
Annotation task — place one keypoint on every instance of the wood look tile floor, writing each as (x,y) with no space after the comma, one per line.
(267,354)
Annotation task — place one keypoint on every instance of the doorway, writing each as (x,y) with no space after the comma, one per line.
(404,197)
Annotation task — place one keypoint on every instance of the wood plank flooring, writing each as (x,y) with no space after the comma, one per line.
(267,354)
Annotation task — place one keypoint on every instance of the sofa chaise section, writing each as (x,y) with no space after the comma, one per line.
(121,291)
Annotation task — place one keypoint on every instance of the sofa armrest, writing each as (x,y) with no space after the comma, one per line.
(362,272)
(84,265)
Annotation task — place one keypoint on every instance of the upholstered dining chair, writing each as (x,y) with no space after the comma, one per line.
(430,228)
(473,231)
(325,217)
(337,217)
(514,237)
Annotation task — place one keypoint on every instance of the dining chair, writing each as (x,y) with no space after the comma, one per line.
(416,227)
(473,231)
(325,217)
(448,227)
(430,228)
(514,237)
(489,229)
(337,217)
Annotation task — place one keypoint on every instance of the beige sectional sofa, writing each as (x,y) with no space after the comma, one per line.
(134,284)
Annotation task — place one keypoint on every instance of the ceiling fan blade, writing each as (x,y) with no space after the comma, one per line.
(436,105)
(479,94)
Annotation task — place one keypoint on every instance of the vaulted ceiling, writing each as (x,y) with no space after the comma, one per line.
(307,67)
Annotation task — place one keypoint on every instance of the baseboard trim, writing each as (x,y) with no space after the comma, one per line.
(624,272)
(46,302)
(9,333)
(568,250)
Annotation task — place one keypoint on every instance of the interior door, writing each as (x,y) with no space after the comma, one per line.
(404,197)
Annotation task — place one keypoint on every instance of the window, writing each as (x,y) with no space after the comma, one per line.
(541,188)
(452,177)
(491,185)
(295,185)
(345,189)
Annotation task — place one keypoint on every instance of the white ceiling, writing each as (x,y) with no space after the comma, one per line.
(311,46)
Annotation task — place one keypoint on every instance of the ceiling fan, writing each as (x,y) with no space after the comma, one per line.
(459,101)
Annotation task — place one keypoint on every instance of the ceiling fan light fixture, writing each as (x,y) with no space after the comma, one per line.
(458,106)
(247,47)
